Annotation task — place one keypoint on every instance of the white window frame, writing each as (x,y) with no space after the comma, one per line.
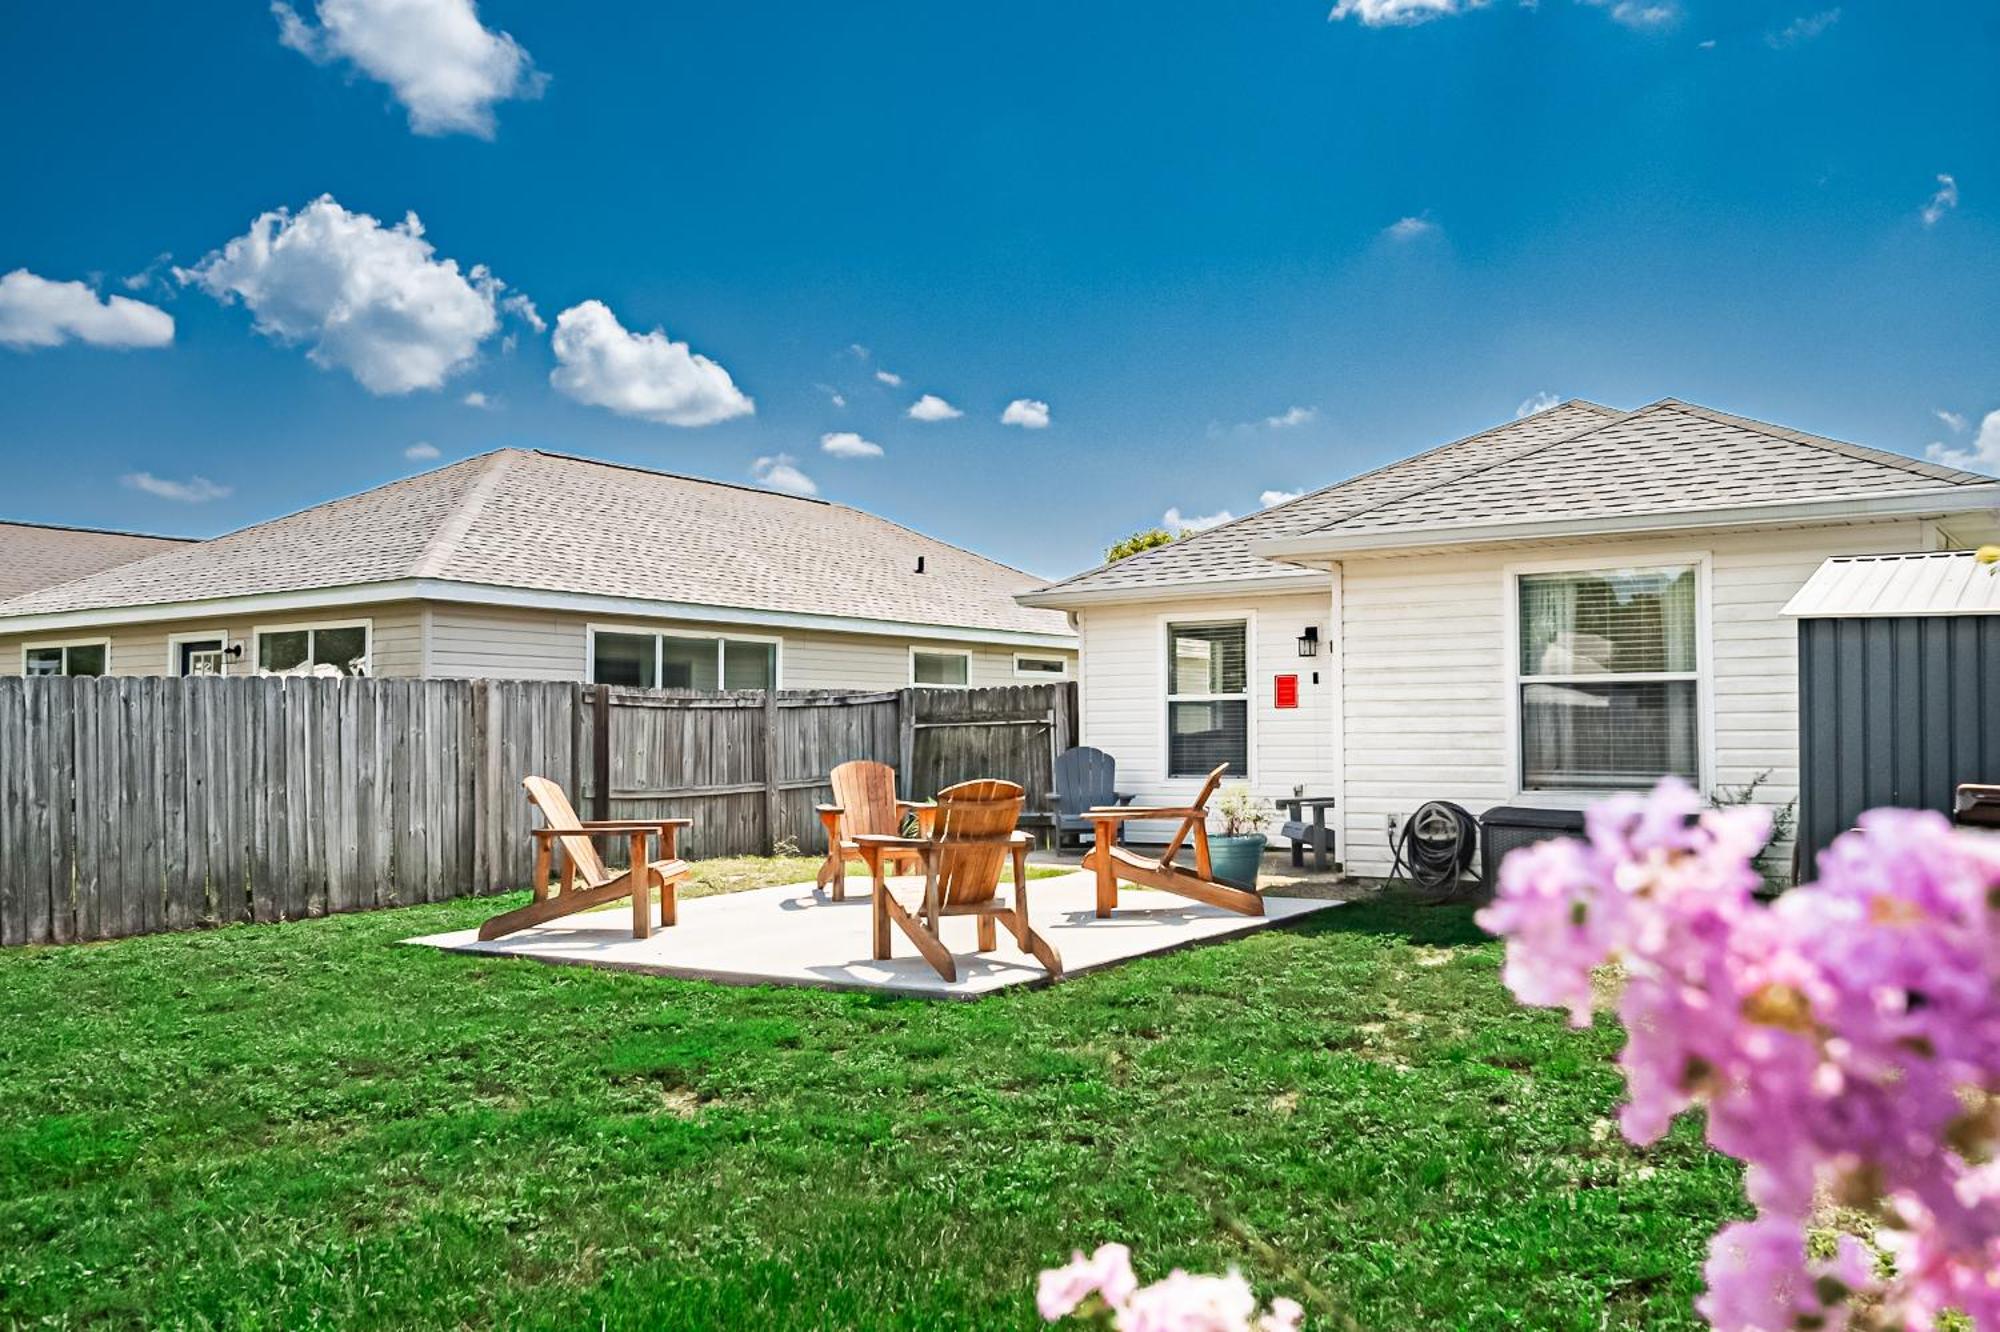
(966,653)
(1163,642)
(1703,675)
(254,651)
(653,631)
(43,645)
(1062,663)
(174,642)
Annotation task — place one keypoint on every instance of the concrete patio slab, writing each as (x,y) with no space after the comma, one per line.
(792,935)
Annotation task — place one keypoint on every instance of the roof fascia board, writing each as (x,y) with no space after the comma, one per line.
(1931,502)
(483,594)
(1178,591)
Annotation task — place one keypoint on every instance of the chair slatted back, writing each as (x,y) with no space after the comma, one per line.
(1085,779)
(866,792)
(974,821)
(1200,805)
(546,796)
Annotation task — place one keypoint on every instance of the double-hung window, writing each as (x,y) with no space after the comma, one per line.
(1208,698)
(67,659)
(1610,678)
(675,661)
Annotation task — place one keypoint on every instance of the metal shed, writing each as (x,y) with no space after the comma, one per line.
(1899,686)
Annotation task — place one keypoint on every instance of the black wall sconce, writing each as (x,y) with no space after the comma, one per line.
(1309,641)
(234,652)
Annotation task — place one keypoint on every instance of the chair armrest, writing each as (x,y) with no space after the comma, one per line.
(607,827)
(883,839)
(916,804)
(1108,814)
(829,809)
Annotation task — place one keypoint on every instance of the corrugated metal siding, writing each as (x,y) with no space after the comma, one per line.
(1930,583)
(1893,711)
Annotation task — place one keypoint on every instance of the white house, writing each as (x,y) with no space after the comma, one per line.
(523,564)
(1537,614)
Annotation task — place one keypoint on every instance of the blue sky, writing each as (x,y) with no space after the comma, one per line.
(1233,248)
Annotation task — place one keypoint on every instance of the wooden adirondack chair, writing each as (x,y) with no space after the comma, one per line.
(973,837)
(586,880)
(1114,862)
(864,803)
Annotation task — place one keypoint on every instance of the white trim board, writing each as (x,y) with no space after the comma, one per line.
(484,594)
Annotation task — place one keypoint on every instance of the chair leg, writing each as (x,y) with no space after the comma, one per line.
(989,939)
(670,903)
(927,943)
(878,906)
(642,882)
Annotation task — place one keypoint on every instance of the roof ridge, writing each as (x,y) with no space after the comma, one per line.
(1332,485)
(1901,461)
(677,476)
(1617,418)
(93,531)
(444,542)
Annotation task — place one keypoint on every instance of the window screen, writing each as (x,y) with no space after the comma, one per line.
(939,668)
(1610,695)
(688,663)
(749,665)
(1208,707)
(623,659)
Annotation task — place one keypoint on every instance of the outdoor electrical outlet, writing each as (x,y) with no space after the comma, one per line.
(1393,821)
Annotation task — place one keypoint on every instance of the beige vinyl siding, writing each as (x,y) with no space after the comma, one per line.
(501,643)
(1427,687)
(395,639)
(1124,702)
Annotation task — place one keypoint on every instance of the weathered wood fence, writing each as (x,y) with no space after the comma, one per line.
(132,806)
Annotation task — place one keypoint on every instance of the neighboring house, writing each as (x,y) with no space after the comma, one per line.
(528,565)
(37,555)
(1560,607)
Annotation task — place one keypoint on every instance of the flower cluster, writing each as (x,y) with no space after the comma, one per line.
(1844,1040)
(1102,1290)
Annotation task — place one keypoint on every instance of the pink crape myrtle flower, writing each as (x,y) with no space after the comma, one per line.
(1181,1302)
(1843,1041)
(1106,1274)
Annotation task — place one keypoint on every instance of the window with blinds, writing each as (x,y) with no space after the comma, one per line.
(670,661)
(1208,699)
(1609,679)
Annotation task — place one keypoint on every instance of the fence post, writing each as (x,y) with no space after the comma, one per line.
(600,752)
(906,741)
(770,772)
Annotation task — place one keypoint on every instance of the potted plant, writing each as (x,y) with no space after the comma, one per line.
(1236,849)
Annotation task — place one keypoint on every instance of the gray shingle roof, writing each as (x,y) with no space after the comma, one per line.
(544,521)
(1578,461)
(37,555)
(1222,554)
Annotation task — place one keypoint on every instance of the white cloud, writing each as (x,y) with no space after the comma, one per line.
(1983,456)
(782,473)
(859,352)
(1409,228)
(1027,413)
(1943,201)
(194,490)
(890,378)
(1708,45)
(1536,405)
(931,407)
(421,451)
(833,395)
(1390,13)
(524,309)
(847,444)
(1175,521)
(1636,13)
(374,301)
(477,399)
(1270,497)
(35,312)
(600,362)
(443,65)
(1954,421)
(1802,29)
(1291,418)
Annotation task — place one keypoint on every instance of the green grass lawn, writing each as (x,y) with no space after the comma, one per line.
(307,1125)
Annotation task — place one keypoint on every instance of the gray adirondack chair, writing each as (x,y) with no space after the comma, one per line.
(1085,779)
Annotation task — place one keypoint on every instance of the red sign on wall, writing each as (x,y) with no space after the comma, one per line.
(1286,691)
